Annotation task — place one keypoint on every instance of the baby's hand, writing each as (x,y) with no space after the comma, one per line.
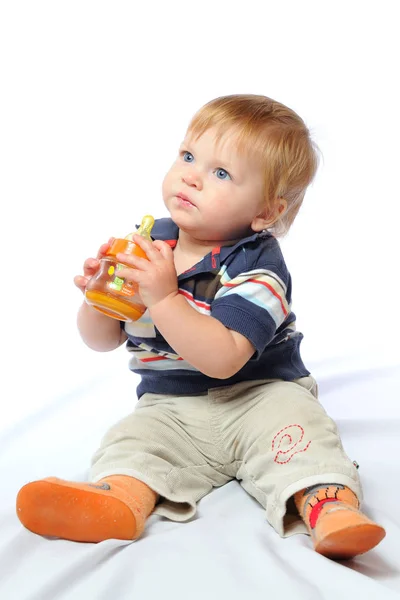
(156,276)
(91,266)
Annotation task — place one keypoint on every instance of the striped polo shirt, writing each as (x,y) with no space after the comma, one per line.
(248,288)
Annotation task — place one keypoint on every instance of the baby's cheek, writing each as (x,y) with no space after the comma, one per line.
(167,184)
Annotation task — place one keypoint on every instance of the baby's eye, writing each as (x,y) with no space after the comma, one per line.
(222,174)
(187,156)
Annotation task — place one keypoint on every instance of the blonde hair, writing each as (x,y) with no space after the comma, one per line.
(275,135)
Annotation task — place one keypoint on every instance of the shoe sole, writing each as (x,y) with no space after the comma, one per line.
(344,544)
(78,513)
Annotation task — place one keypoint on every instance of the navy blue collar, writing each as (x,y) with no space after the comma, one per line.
(165,229)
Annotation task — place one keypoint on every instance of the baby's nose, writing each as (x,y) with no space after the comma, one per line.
(193,179)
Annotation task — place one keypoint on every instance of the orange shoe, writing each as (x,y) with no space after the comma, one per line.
(338,529)
(115,507)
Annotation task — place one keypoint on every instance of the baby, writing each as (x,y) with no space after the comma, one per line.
(224,393)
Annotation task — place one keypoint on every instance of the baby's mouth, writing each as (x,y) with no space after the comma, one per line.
(184,200)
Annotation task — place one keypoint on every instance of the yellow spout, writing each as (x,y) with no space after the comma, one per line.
(145,228)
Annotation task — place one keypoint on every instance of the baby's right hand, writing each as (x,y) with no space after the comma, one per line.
(91,266)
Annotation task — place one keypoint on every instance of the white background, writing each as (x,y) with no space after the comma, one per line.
(95,98)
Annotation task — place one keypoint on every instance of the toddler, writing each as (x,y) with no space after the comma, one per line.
(223,391)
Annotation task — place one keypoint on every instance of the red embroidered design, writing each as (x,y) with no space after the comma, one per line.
(296,431)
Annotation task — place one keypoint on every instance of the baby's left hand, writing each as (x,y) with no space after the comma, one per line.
(156,277)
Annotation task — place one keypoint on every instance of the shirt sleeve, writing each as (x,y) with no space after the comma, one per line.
(254,304)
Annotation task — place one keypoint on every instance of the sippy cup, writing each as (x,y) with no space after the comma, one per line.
(108,293)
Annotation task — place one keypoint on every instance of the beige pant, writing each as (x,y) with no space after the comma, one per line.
(273,436)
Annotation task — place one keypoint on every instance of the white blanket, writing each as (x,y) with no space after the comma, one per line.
(228,550)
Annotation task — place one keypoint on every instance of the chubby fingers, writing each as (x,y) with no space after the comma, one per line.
(148,247)
(164,249)
(81,282)
(104,247)
(90,266)
(136,262)
(129,274)
(154,250)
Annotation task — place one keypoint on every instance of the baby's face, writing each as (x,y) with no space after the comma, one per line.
(211,191)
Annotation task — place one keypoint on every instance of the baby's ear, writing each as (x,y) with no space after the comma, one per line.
(269,216)
(281,206)
(260,223)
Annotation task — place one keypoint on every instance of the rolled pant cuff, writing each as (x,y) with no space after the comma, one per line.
(276,512)
(172,506)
